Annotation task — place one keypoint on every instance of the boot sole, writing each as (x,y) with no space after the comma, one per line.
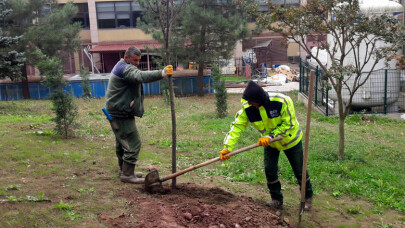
(125,180)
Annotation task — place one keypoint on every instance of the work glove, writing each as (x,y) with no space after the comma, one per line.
(168,71)
(264,141)
(223,155)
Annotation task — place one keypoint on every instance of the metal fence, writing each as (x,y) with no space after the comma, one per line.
(383,92)
(246,69)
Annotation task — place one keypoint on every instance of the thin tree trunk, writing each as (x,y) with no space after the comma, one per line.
(174,138)
(341,138)
(171,93)
(341,149)
(200,79)
(24,82)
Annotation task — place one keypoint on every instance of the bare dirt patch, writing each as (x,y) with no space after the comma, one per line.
(191,205)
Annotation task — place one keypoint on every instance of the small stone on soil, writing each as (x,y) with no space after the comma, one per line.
(194,210)
(187,216)
(151,168)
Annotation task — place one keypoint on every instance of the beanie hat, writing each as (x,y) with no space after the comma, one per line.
(256,93)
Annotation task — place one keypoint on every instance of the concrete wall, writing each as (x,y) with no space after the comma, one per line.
(122,35)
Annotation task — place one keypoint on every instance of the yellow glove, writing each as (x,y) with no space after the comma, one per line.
(168,71)
(264,141)
(223,155)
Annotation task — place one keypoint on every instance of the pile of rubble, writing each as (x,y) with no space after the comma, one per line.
(277,76)
(280,75)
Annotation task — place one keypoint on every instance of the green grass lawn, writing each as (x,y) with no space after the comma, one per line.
(234,79)
(36,165)
(373,170)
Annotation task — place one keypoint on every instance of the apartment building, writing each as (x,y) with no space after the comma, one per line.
(110,27)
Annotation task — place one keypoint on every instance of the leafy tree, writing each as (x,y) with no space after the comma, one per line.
(160,16)
(63,103)
(10,60)
(42,24)
(220,93)
(159,19)
(45,35)
(55,32)
(350,31)
(209,30)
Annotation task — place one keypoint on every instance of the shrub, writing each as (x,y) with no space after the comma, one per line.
(220,93)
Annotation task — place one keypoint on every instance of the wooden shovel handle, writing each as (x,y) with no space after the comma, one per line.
(306,144)
(173,175)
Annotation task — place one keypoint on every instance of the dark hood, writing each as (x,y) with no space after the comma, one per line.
(256,93)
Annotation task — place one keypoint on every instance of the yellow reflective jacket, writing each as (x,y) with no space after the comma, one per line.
(277,118)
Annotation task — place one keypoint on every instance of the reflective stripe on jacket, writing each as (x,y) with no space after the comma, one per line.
(276,119)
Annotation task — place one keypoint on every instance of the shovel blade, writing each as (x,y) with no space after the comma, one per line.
(153,183)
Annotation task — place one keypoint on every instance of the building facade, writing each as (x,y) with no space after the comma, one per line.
(269,48)
(110,27)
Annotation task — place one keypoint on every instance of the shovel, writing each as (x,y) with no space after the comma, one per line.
(153,184)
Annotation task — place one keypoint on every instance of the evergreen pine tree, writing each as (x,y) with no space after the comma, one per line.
(10,60)
(209,30)
(63,103)
(85,75)
(51,31)
(220,93)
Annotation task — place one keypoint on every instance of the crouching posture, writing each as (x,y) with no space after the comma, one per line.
(124,101)
(273,115)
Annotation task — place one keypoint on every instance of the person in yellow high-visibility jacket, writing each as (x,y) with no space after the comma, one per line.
(273,115)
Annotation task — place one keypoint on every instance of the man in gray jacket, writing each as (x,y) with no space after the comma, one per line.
(124,101)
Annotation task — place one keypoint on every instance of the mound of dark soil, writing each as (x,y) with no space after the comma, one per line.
(191,205)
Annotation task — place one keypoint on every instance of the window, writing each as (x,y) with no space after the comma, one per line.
(117,14)
(123,13)
(82,15)
(105,15)
(46,9)
(136,12)
(286,2)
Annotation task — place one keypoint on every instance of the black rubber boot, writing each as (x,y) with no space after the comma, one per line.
(128,176)
(137,174)
(275,204)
